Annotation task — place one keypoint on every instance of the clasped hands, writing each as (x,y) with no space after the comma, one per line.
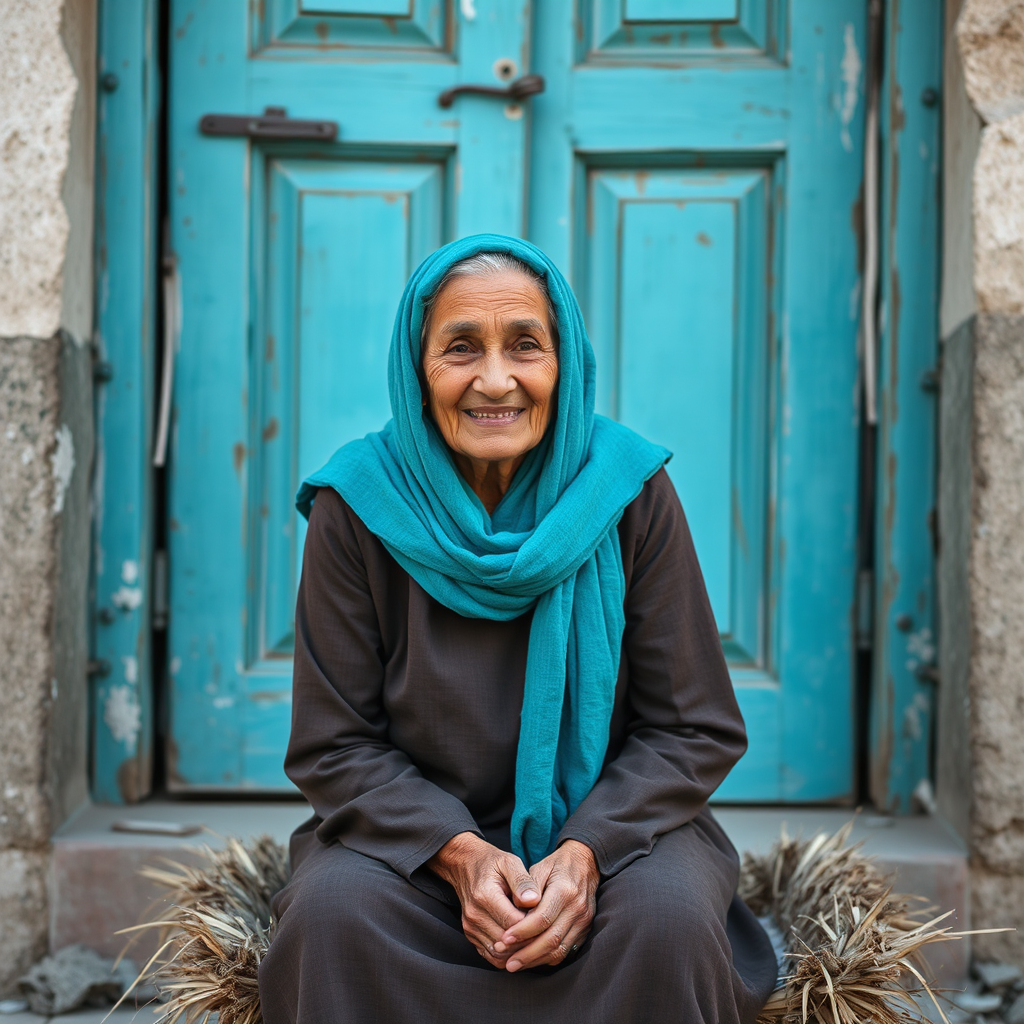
(517,918)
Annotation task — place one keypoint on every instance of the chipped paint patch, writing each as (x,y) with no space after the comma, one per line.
(63,462)
(131,668)
(175,665)
(855,301)
(223,702)
(920,649)
(127,598)
(851,68)
(130,572)
(123,715)
(468,8)
(916,710)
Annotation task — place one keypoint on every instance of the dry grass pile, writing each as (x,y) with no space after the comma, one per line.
(215,931)
(854,948)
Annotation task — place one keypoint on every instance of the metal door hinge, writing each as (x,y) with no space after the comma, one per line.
(97,667)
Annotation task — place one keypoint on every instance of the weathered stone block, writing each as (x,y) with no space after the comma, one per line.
(997,617)
(36,460)
(999,216)
(998,902)
(23,913)
(37,95)
(991,38)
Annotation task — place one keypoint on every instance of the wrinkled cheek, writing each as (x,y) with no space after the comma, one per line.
(540,417)
(449,423)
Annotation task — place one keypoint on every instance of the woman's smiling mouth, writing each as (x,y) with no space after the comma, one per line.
(496,417)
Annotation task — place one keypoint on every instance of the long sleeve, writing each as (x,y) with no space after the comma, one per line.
(684,731)
(369,794)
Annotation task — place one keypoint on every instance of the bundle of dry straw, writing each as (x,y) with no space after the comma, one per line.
(853,946)
(215,927)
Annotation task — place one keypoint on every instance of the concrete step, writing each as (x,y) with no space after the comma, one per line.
(96,888)
(143,1015)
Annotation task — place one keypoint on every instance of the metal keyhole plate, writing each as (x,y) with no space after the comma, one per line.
(505,69)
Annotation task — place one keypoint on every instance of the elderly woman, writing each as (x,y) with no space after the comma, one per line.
(510,704)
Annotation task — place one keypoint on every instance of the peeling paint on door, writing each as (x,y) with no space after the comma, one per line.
(123,715)
(852,66)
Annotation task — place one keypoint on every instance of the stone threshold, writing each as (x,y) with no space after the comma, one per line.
(95,888)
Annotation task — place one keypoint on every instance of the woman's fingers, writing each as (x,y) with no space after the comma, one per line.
(555,944)
(542,917)
(490,957)
(521,885)
(488,913)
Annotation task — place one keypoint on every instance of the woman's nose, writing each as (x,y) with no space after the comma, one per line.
(495,378)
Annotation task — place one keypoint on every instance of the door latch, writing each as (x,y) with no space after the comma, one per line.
(274,123)
(520,89)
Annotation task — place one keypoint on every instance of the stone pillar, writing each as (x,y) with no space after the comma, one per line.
(981,489)
(47,130)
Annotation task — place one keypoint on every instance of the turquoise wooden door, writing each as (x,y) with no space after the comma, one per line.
(692,165)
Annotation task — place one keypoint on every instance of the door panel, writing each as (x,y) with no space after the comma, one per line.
(292,259)
(677,270)
(329,24)
(712,174)
(341,241)
(657,30)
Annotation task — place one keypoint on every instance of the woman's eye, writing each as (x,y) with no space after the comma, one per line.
(459,348)
(527,344)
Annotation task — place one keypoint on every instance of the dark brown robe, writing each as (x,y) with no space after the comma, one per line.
(404,730)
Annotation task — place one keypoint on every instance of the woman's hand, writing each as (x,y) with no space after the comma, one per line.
(494,888)
(568,879)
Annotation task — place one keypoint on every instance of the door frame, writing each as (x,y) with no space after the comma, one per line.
(127,280)
(124,591)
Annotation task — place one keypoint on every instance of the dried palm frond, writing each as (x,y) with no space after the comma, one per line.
(854,946)
(215,932)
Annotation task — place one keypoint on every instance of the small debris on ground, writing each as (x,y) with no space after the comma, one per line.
(74,978)
(1015,1014)
(977,1002)
(994,995)
(995,976)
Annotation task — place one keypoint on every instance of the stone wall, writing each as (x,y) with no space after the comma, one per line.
(47,104)
(981,488)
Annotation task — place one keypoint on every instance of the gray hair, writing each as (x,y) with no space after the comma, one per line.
(486,264)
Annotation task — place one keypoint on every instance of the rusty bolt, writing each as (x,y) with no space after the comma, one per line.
(106,616)
(109,81)
(929,96)
(904,623)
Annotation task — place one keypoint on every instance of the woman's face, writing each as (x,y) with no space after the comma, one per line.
(491,367)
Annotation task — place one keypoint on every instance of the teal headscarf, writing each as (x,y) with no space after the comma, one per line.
(551,544)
